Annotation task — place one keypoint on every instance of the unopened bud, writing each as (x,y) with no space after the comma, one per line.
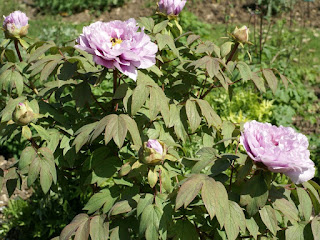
(152,152)
(242,34)
(23,114)
(16,25)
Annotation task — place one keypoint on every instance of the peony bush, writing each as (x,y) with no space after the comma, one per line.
(119,118)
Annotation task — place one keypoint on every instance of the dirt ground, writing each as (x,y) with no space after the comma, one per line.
(211,11)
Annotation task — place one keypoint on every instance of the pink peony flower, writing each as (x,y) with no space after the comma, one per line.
(280,149)
(16,24)
(118,44)
(171,7)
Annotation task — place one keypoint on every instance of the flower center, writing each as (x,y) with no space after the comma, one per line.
(115,41)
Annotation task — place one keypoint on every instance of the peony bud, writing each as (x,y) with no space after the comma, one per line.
(153,152)
(171,7)
(242,34)
(23,114)
(16,25)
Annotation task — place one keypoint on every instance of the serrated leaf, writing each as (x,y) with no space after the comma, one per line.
(268,216)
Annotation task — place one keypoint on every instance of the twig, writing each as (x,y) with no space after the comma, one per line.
(95,99)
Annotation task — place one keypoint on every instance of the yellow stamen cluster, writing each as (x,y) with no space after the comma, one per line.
(115,41)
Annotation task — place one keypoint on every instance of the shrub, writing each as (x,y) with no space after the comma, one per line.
(152,158)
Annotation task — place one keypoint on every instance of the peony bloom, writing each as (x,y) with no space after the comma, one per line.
(153,152)
(241,34)
(118,44)
(16,24)
(171,7)
(280,149)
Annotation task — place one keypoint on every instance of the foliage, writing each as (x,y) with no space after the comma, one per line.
(90,123)
(71,6)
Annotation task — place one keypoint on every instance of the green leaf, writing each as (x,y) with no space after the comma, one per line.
(160,26)
(271,79)
(43,133)
(40,51)
(120,207)
(71,228)
(149,222)
(97,228)
(193,115)
(49,67)
(252,227)
(144,202)
(185,230)
(220,201)
(83,231)
(208,194)
(315,226)
(148,23)
(27,156)
(226,49)
(244,70)
(287,208)
(268,216)
(26,132)
(259,82)
(207,111)
(139,97)
(189,190)
(255,194)
(18,82)
(296,232)
(227,130)
(191,38)
(152,177)
(133,129)
(98,200)
(305,203)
